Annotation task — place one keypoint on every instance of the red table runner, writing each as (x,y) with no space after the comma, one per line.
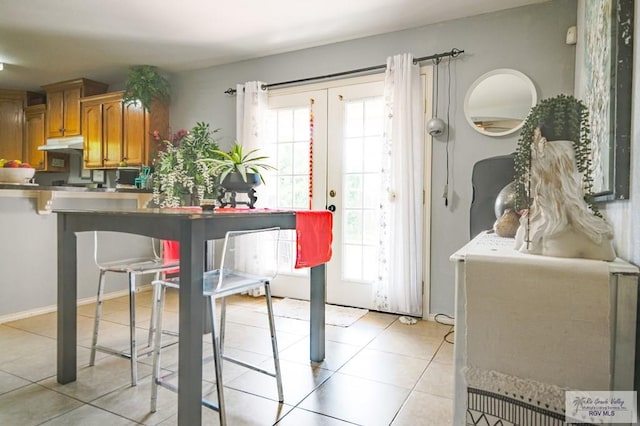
(313,236)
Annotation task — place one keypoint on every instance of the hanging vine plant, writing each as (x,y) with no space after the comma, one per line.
(146,84)
(562,117)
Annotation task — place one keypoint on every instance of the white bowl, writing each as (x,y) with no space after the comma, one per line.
(16,174)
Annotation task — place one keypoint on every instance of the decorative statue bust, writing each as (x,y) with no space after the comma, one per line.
(559,222)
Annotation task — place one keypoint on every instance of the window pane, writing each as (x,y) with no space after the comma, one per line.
(285,191)
(371,191)
(285,158)
(371,227)
(285,125)
(353,112)
(301,124)
(301,192)
(352,160)
(373,112)
(372,154)
(301,158)
(352,230)
(352,185)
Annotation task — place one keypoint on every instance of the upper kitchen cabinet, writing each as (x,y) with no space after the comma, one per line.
(102,131)
(116,132)
(64,117)
(12,104)
(139,146)
(34,136)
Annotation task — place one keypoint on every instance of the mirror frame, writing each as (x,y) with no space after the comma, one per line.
(481,79)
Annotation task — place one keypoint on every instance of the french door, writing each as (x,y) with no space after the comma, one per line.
(346,123)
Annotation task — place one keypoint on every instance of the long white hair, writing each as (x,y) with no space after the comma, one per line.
(558,194)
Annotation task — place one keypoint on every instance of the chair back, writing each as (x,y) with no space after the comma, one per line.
(250,252)
(100,237)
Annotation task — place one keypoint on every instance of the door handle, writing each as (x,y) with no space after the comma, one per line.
(331,208)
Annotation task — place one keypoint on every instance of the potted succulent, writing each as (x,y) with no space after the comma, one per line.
(179,176)
(238,171)
(146,84)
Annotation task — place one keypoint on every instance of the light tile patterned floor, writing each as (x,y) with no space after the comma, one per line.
(377,372)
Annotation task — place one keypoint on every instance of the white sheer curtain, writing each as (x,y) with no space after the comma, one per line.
(252,102)
(251,106)
(399,285)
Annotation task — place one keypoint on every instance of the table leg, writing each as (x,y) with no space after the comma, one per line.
(67,309)
(191,323)
(317,300)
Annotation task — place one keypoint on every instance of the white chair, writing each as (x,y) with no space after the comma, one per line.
(154,264)
(249,261)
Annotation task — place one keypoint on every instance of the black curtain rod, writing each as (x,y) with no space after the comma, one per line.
(438,56)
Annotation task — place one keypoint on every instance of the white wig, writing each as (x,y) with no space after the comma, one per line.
(558,194)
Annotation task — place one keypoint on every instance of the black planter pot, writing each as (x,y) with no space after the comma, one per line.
(232,184)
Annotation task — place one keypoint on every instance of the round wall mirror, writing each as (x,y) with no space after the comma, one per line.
(498,102)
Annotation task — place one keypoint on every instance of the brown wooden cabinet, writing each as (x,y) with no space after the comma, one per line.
(12,105)
(34,130)
(34,136)
(64,117)
(115,132)
(102,131)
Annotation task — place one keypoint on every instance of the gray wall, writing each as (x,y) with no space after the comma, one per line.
(530,39)
(28,253)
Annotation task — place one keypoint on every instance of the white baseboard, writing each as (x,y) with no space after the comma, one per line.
(53,308)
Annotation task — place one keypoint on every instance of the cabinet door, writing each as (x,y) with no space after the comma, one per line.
(72,118)
(34,137)
(55,114)
(134,134)
(11,129)
(92,132)
(112,133)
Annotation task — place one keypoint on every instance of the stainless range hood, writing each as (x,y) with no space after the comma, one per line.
(72,145)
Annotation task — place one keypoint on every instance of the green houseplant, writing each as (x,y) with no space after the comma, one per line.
(562,117)
(239,162)
(238,171)
(180,177)
(146,84)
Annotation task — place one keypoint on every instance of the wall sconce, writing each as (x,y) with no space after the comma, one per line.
(1,66)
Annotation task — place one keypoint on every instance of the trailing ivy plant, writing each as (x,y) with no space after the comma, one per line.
(562,117)
(146,84)
(180,178)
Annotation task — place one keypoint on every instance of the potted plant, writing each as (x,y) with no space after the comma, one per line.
(238,171)
(554,184)
(180,177)
(562,117)
(146,84)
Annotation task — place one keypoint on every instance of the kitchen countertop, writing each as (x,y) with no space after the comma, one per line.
(35,187)
(45,194)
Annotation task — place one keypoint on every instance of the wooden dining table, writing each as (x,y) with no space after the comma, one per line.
(192,229)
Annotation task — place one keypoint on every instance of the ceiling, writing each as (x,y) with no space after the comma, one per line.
(44,41)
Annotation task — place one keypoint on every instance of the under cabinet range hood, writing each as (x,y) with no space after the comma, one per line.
(71,145)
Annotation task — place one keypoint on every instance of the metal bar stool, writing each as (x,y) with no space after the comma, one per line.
(249,261)
(157,265)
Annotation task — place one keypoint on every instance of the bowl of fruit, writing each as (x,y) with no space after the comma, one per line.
(15,171)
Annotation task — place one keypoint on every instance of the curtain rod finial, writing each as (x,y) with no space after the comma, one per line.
(230,92)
